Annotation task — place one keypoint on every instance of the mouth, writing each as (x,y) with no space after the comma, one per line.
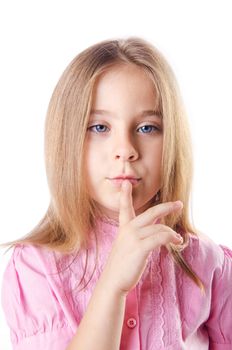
(117,181)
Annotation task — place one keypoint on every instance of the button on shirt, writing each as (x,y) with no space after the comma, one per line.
(131,322)
(166,310)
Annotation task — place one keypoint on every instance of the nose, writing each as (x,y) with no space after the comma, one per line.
(125,150)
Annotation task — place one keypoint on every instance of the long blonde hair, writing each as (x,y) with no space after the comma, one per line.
(72,213)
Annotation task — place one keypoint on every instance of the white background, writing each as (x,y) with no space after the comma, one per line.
(39,38)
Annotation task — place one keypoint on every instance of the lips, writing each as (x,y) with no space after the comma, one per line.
(118,180)
(126,177)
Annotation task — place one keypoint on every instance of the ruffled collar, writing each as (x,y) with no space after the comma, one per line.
(109,221)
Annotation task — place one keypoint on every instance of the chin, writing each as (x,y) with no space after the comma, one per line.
(108,208)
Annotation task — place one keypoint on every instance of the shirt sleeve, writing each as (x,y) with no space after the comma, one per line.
(31,307)
(219,324)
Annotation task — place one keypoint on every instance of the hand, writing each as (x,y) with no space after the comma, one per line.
(137,237)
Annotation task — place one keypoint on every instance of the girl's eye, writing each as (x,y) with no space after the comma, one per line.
(146,129)
(99,128)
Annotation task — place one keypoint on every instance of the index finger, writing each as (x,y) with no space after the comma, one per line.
(126,208)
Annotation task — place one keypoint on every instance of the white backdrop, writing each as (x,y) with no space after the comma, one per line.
(39,38)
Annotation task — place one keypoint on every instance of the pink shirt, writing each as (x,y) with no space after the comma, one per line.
(166,310)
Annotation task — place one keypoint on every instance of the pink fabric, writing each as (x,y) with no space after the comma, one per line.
(166,310)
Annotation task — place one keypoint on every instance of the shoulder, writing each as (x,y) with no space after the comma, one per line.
(30,297)
(28,280)
(28,266)
(28,257)
(211,262)
(202,249)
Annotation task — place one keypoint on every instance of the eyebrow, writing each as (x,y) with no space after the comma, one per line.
(146,113)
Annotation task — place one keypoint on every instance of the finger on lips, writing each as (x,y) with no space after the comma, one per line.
(126,209)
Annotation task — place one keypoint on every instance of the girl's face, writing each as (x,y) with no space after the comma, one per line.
(124,138)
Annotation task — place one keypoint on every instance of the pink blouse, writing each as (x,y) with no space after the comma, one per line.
(166,310)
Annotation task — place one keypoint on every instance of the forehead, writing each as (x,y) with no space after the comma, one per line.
(125,82)
(131,72)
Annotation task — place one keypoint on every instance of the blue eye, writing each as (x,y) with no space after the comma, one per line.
(147,129)
(100,128)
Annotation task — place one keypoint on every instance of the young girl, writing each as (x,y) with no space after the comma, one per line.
(115,263)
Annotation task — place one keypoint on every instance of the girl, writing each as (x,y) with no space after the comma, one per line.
(115,263)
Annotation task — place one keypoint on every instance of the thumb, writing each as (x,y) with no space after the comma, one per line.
(126,209)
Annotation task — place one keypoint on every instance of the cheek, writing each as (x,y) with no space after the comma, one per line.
(153,159)
(158,154)
(93,156)
(95,161)
(94,165)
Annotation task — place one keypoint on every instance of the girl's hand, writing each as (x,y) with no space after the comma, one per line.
(137,237)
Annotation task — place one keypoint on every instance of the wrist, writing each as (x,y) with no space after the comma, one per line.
(108,284)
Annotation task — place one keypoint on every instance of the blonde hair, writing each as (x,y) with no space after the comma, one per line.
(72,214)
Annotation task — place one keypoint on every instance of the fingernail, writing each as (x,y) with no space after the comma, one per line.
(178,236)
(157,221)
